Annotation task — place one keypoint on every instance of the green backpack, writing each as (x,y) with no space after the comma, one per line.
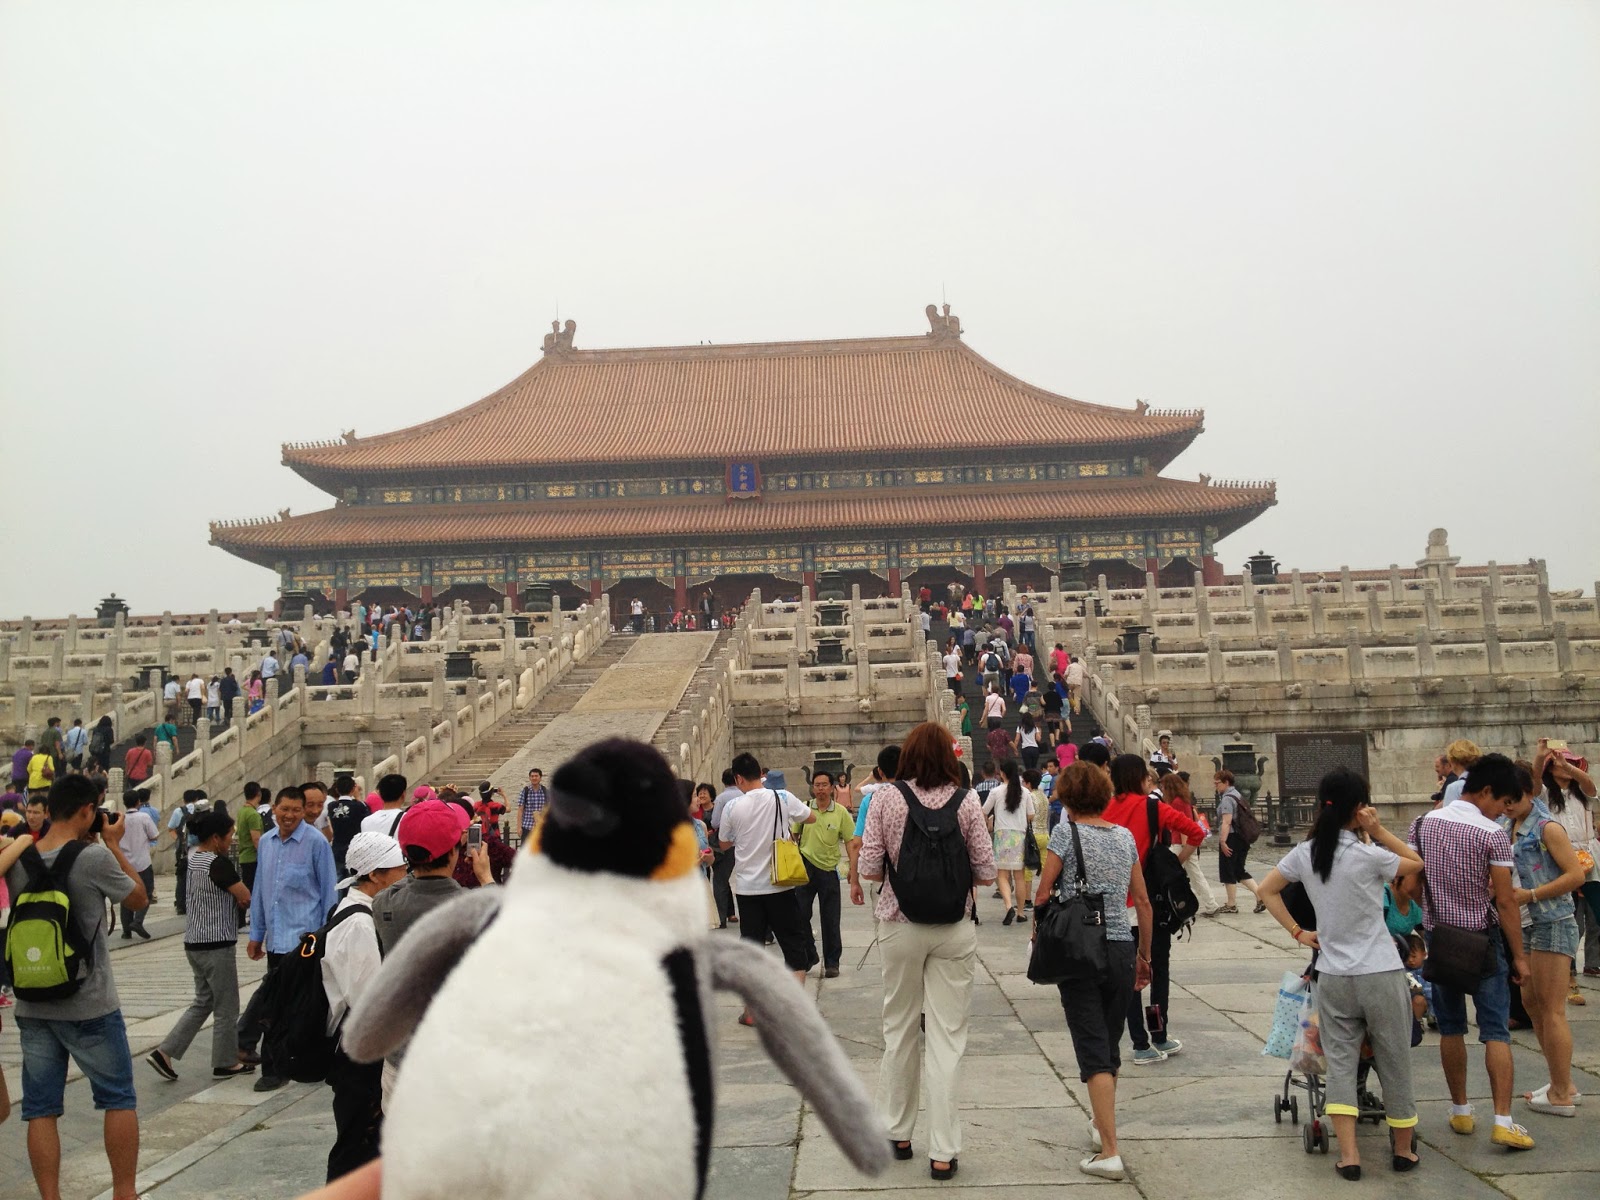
(45,949)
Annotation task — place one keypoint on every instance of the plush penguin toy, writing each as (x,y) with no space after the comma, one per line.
(561,1027)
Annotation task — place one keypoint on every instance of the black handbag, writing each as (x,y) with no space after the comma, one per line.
(1031,861)
(1069,936)
(1458,958)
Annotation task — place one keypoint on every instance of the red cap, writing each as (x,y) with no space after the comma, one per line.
(433,825)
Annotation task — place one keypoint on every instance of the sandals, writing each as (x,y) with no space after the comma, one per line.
(1540,1102)
(901,1152)
(1011,915)
(942,1172)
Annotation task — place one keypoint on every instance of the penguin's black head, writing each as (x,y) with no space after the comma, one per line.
(617,807)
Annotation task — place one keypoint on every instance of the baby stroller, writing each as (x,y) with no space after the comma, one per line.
(1303,1075)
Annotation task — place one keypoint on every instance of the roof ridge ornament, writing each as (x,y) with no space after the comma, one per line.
(946,326)
(559,340)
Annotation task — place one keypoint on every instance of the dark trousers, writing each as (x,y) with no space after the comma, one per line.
(823,886)
(247,873)
(721,883)
(357,1114)
(133,919)
(254,1021)
(180,868)
(1160,982)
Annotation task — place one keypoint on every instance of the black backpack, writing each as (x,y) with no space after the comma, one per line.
(297,1042)
(1166,881)
(933,878)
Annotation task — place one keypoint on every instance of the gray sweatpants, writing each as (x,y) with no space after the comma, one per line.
(1376,1007)
(216,995)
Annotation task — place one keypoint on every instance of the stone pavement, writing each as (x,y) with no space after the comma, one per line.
(1199,1124)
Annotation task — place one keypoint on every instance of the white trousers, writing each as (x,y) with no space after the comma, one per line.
(927,969)
(1198,881)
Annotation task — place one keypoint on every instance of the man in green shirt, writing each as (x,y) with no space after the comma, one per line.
(820,844)
(249,827)
(168,732)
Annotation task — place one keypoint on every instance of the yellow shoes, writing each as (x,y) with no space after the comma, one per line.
(1463,1125)
(1513,1137)
(1576,997)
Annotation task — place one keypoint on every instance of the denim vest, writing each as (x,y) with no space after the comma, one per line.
(1535,867)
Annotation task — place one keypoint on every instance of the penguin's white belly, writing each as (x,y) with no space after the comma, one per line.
(550,1064)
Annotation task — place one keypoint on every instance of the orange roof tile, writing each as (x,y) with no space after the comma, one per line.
(368,527)
(761,401)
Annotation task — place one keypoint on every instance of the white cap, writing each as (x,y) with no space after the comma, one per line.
(369,852)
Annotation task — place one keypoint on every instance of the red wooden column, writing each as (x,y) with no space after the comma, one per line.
(341,599)
(1153,567)
(680,592)
(594,590)
(894,581)
(427,598)
(809,578)
(1211,570)
(978,579)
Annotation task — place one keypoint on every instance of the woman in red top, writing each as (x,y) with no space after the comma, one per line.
(1130,807)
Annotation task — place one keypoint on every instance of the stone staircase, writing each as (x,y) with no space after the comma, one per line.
(1084,726)
(492,752)
(669,728)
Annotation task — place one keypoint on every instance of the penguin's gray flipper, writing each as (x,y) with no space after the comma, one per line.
(804,1048)
(394,1002)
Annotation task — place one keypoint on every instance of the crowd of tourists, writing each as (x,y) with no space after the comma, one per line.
(1504,865)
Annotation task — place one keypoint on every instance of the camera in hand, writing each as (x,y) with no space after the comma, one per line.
(100,815)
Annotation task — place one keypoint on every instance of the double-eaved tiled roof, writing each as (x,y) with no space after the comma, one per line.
(762,401)
(373,527)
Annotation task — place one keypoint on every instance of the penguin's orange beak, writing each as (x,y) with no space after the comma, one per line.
(683,854)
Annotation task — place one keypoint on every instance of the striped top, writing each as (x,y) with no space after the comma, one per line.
(212,916)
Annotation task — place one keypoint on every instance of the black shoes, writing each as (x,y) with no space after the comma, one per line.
(238,1068)
(269,1083)
(950,1171)
(1352,1172)
(830,972)
(1011,915)
(142,932)
(900,1152)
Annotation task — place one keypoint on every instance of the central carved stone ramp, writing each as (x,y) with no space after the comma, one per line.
(631,697)
(487,758)
(668,731)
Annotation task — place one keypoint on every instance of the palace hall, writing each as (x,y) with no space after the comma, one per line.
(672,473)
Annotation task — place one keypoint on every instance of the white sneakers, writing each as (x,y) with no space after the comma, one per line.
(1103,1168)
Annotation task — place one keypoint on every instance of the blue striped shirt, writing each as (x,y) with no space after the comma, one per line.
(294,890)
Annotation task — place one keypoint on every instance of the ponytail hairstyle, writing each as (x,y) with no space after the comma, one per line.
(1013,785)
(1341,792)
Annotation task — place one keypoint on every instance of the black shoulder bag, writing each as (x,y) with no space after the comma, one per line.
(1458,958)
(1069,936)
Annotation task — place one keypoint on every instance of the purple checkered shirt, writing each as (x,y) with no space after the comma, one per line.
(1458,845)
(531,802)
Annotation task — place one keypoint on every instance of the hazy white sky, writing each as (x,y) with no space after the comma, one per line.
(1365,237)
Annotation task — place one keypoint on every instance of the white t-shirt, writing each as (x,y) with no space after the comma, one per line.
(994,705)
(352,664)
(195,689)
(170,692)
(751,824)
(995,806)
(1350,925)
(952,665)
(384,821)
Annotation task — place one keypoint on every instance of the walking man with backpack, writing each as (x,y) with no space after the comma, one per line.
(67,1007)
(294,894)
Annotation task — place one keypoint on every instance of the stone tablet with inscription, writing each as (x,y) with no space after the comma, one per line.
(1304,758)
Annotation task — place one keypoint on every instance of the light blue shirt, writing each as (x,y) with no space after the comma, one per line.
(294,890)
